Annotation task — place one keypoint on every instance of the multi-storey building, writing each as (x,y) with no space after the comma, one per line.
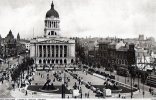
(114,55)
(52,48)
(9,47)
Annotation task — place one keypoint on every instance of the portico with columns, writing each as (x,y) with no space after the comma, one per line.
(52,48)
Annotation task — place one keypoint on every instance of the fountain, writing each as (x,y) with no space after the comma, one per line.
(48,87)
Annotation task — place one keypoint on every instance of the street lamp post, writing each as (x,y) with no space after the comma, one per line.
(63,85)
(8,65)
(131,82)
(18,59)
(150,81)
(143,77)
(125,79)
(138,81)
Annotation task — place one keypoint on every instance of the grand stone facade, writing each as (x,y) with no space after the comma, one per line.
(52,48)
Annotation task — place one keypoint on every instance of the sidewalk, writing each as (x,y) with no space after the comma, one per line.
(5,90)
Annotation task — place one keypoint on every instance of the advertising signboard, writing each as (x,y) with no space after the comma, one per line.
(76,93)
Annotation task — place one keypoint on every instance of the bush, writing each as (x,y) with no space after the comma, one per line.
(98,72)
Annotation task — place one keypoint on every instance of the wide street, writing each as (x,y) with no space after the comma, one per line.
(11,62)
(128,80)
(5,90)
(6,87)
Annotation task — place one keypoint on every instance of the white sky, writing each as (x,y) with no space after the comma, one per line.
(96,18)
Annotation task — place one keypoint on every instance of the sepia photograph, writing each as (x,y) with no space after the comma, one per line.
(77,49)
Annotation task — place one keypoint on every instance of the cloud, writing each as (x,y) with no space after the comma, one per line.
(121,18)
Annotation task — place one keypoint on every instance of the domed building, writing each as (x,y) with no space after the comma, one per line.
(52,48)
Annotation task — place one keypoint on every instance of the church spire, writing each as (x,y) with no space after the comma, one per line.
(18,37)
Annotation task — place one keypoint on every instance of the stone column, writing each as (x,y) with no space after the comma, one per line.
(54,51)
(68,50)
(46,50)
(62,50)
(37,51)
(50,51)
(56,24)
(42,52)
(47,23)
(58,50)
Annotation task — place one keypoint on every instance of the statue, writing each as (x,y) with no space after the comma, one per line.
(48,86)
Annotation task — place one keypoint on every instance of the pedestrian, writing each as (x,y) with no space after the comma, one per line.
(18,85)
(2,80)
(54,80)
(119,95)
(88,95)
(79,81)
(81,95)
(26,93)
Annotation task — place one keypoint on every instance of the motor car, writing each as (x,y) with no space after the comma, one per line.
(87,86)
(99,94)
(103,73)
(93,88)
(97,72)
(112,77)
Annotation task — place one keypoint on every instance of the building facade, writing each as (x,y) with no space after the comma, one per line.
(26,44)
(52,48)
(115,55)
(10,46)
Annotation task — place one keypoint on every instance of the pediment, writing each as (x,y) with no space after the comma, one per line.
(54,41)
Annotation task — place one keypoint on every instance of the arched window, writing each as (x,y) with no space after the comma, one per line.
(49,33)
(52,32)
(52,61)
(72,61)
(56,61)
(44,61)
(65,51)
(48,61)
(54,25)
(57,50)
(40,61)
(65,61)
(61,61)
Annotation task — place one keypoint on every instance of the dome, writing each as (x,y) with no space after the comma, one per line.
(52,12)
